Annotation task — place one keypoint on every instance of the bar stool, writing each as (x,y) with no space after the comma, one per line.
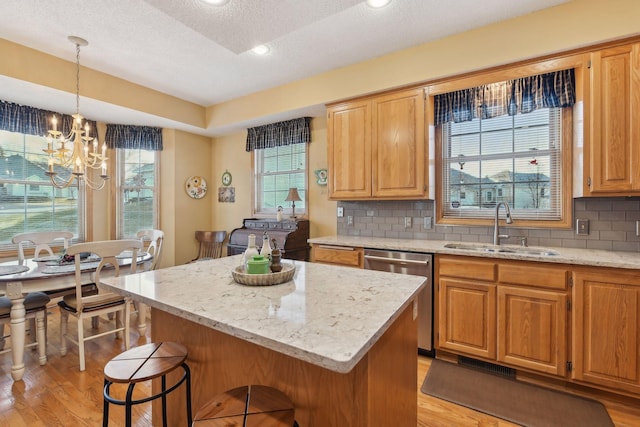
(144,363)
(251,405)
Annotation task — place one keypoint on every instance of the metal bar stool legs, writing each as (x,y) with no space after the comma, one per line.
(127,368)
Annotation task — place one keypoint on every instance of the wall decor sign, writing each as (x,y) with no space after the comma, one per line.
(196,187)
(226,194)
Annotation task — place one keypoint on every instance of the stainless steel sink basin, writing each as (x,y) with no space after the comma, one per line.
(501,249)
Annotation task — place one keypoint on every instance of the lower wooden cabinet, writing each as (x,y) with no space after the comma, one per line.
(467,317)
(532,329)
(606,329)
(338,255)
(509,312)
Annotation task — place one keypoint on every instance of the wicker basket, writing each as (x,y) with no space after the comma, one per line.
(269,279)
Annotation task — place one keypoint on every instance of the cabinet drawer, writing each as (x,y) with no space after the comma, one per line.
(339,255)
(467,268)
(260,225)
(548,277)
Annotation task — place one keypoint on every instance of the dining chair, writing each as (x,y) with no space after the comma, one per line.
(35,304)
(156,238)
(42,240)
(211,243)
(85,304)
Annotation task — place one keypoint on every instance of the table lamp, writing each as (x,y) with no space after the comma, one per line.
(293,197)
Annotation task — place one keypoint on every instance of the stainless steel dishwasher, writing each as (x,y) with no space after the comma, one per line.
(419,264)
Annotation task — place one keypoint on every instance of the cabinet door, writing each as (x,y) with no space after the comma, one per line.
(349,150)
(606,329)
(399,145)
(467,317)
(532,329)
(615,126)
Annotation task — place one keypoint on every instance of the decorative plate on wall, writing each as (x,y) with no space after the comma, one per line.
(321,175)
(196,187)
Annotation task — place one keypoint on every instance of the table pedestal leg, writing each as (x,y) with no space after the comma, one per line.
(142,318)
(14,292)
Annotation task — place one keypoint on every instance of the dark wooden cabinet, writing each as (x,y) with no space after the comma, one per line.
(291,235)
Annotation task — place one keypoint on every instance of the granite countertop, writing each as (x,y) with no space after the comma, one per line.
(327,315)
(589,257)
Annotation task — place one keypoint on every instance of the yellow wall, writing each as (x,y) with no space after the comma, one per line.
(192,156)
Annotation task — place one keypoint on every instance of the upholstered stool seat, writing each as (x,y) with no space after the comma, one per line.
(250,406)
(33,301)
(144,363)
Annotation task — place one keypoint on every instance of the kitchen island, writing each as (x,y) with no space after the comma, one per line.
(340,343)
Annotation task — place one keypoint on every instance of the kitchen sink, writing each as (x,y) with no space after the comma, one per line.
(502,249)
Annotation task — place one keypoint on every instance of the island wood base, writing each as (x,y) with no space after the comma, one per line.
(380,391)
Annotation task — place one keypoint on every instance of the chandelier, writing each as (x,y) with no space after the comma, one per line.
(76,151)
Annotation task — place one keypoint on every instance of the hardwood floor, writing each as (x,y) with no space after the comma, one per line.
(58,394)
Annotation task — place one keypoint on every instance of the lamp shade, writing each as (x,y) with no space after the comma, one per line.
(293,195)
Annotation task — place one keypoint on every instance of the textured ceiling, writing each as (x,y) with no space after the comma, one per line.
(201,53)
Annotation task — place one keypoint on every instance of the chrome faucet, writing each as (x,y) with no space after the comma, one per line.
(496,228)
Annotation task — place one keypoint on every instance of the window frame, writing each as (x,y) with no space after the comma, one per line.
(302,209)
(119,159)
(568,124)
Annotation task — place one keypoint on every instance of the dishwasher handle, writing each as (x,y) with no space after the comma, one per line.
(396,260)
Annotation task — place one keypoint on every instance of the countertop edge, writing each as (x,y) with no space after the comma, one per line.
(585,257)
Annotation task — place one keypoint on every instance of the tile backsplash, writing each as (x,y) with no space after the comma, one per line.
(612,224)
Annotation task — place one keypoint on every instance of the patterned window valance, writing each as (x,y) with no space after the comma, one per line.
(511,97)
(34,121)
(289,132)
(134,137)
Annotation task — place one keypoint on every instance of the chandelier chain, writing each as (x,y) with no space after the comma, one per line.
(77,78)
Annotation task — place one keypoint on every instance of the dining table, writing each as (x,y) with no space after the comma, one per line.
(48,274)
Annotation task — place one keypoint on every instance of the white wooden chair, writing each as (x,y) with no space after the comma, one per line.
(87,304)
(42,240)
(155,238)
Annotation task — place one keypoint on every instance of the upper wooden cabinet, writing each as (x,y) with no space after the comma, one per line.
(615,128)
(376,147)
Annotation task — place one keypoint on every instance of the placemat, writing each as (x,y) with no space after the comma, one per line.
(5,270)
(57,269)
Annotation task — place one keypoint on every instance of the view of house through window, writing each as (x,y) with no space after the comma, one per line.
(276,170)
(28,200)
(137,173)
(516,159)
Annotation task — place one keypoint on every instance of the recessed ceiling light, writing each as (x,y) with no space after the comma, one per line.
(378,3)
(260,49)
(216,2)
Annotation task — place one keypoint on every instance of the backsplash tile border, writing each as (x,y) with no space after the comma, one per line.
(612,224)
